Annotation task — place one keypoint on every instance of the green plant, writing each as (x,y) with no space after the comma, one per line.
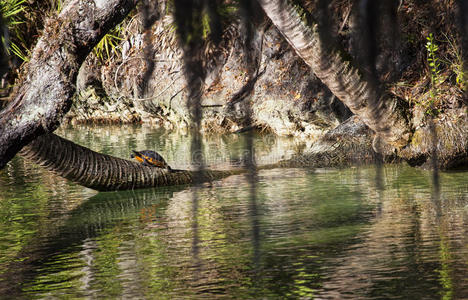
(22,54)
(456,63)
(434,68)
(58,6)
(108,45)
(11,11)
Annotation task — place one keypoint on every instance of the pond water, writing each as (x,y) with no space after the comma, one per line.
(356,233)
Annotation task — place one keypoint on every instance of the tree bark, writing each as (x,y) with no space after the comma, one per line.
(384,115)
(48,82)
(104,172)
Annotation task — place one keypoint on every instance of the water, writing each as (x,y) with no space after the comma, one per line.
(298,234)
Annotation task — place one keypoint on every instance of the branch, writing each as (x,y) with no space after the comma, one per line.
(44,94)
(385,116)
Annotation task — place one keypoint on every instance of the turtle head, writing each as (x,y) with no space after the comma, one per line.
(135,153)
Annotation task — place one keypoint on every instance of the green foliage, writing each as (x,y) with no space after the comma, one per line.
(58,5)
(434,68)
(109,44)
(21,18)
(23,54)
(11,11)
(456,63)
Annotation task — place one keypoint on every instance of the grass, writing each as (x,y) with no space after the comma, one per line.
(456,63)
(11,12)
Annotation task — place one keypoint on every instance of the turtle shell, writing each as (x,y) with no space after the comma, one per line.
(150,158)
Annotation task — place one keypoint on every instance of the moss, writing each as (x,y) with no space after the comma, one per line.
(307,19)
(417,138)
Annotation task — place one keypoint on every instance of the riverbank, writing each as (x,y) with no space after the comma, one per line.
(261,84)
(278,102)
(282,93)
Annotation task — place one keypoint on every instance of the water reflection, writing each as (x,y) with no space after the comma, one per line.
(320,233)
(219,151)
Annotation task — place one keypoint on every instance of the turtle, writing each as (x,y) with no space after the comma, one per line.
(150,158)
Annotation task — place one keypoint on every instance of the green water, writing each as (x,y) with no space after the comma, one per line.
(358,233)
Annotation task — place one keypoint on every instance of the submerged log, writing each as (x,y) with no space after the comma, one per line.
(442,145)
(349,144)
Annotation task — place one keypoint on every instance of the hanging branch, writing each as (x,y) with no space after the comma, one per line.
(385,115)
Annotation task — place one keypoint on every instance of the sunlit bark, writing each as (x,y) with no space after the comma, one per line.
(384,115)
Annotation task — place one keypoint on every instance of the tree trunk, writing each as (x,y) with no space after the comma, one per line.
(104,172)
(385,116)
(48,82)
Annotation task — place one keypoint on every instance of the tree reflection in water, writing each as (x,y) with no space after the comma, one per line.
(307,233)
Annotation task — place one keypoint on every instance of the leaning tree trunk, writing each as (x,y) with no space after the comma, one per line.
(385,116)
(104,172)
(48,83)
